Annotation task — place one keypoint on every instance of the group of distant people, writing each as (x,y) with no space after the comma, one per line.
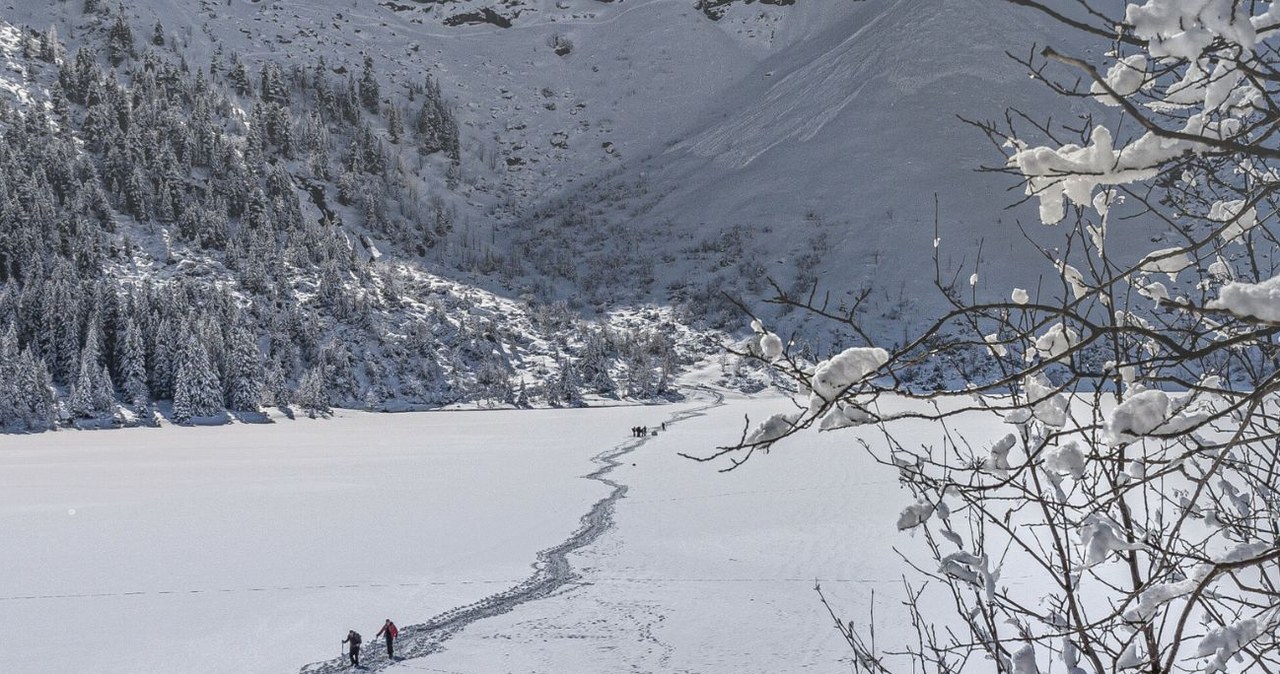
(641,431)
(353,642)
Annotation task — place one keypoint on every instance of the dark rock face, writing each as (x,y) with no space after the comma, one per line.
(715,9)
(485,15)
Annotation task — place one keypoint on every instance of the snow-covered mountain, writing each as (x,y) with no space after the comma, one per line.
(526,158)
(821,159)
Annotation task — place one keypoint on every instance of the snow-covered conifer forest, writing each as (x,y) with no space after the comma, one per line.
(228,232)
(992,283)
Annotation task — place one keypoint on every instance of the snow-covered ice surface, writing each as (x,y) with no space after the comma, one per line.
(711,572)
(254,548)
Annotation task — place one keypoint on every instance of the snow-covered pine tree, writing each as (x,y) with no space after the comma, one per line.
(137,195)
(209,329)
(165,350)
(275,386)
(493,379)
(9,373)
(641,382)
(280,132)
(107,310)
(273,88)
(37,403)
(238,77)
(59,334)
(120,40)
(523,399)
(666,368)
(435,124)
(565,388)
(246,375)
(395,123)
(50,47)
(313,393)
(340,371)
(133,365)
(370,93)
(197,391)
(92,394)
(595,362)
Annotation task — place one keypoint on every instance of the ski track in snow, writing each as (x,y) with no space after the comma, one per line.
(552,571)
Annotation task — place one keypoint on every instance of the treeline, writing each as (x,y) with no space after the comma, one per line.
(181,341)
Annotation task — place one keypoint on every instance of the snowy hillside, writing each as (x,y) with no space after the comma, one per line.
(645,137)
(821,162)
(254,231)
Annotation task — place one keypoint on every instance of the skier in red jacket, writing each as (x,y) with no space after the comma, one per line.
(389,629)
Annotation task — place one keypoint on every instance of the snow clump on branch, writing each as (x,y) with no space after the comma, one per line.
(914,515)
(1071,171)
(1257,300)
(1226,642)
(844,416)
(834,376)
(1099,539)
(997,462)
(1065,459)
(1241,220)
(1166,260)
(1047,405)
(1054,344)
(1151,599)
(1185,29)
(1140,415)
(767,345)
(774,428)
(1125,78)
(1150,413)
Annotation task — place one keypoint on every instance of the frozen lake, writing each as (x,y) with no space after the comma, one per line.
(255,548)
(714,572)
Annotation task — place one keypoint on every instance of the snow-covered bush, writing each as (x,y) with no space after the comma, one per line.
(1133,496)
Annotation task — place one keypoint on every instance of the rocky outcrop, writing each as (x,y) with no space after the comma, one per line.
(481,16)
(715,9)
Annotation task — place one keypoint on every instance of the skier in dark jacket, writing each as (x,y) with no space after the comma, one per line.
(353,637)
(389,629)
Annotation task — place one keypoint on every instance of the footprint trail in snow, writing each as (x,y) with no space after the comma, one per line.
(551,572)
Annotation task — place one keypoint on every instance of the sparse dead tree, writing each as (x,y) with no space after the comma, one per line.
(1113,441)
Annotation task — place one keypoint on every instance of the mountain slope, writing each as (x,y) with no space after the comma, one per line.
(602,155)
(661,131)
(241,233)
(822,163)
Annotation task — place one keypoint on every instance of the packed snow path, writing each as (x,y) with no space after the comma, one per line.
(552,571)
